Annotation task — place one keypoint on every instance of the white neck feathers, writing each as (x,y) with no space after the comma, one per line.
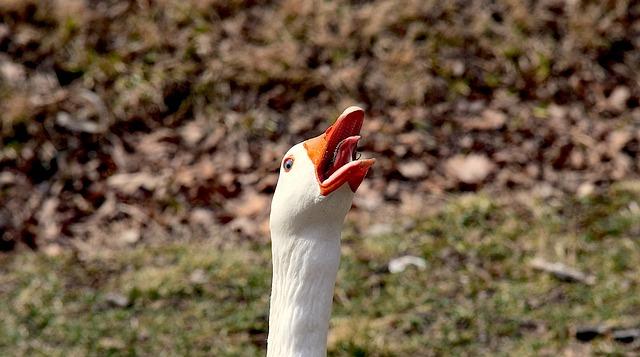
(304,275)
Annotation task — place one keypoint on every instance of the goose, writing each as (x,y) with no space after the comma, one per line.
(314,192)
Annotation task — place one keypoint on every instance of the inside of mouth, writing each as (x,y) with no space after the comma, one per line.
(344,153)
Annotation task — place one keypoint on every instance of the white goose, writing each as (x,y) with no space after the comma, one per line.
(318,178)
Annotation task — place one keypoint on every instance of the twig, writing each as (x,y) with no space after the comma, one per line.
(562,271)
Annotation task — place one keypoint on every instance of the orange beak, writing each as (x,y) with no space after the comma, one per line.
(333,153)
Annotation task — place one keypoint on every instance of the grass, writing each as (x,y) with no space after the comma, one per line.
(478,295)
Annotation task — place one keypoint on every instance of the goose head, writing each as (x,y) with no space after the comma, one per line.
(319,177)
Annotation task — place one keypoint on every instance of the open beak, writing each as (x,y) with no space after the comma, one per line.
(334,153)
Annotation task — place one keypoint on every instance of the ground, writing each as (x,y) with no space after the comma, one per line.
(140,141)
(100,109)
(479,294)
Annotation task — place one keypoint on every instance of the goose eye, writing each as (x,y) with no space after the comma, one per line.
(287,164)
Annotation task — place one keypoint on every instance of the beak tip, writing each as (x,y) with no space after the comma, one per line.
(352,110)
(368,162)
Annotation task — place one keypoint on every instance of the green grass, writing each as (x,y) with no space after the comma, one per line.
(478,295)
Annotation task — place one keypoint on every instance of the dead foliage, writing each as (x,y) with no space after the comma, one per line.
(172,112)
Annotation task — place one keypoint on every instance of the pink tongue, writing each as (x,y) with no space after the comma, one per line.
(345,152)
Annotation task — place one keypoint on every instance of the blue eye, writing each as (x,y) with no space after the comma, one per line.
(287,164)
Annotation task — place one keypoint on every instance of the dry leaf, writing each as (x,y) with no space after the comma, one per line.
(585,189)
(246,226)
(154,147)
(130,236)
(617,140)
(244,160)
(490,119)
(250,204)
(65,120)
(201,216)
(618,98)
(398,265)
(214,138)
(11,72)
(471,169)
(413,169)
(129,183)
(192,133)
(116,300)
(47,222)
(379,229)
(198,277)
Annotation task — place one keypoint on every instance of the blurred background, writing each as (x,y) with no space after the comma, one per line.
(140,143)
